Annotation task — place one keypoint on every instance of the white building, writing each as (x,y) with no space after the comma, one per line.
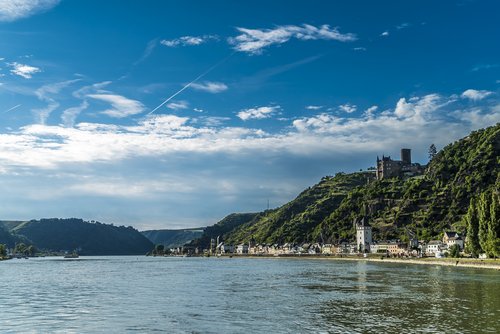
(363,235)
(242,249)
(434,247)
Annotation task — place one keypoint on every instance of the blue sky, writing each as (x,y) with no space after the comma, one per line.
(170,114)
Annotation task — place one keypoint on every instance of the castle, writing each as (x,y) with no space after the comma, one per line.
(387,168)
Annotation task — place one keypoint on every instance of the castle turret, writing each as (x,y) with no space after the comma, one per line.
(406,156)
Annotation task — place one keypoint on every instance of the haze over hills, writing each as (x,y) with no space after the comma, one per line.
(424,205)
(173,238)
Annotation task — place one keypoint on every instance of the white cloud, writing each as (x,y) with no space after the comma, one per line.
(188,40)
(370,111)
(120,105)
(11,10)
(253,41)
(359,48)
(46,94)
(348,108)
(23,70)
(257,113)
(69,115)
(313,107)
(385,33)
(209,86)
(476,95)
(419,107)
(178,105)
(198,109)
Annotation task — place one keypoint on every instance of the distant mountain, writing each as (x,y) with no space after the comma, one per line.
(173,238)
(89,238)
(226,225)
(397,208)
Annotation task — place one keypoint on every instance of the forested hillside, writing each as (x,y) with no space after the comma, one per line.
(75,234)
(423,205)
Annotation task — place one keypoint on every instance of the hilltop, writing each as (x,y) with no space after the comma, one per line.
(423,205)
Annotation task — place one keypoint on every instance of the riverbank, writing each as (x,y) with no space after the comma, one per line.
(451,262)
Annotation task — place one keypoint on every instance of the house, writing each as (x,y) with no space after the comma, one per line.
(327,249)
(380,248)
(453,238)
(224,249)
(242,249)
(396,248)
(433,247)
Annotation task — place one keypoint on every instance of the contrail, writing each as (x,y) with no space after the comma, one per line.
(192,82)
(14,107)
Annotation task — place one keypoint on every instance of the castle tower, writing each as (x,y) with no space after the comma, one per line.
(363,235)
(406,156)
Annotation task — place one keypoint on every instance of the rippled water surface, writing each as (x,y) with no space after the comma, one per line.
(209,295)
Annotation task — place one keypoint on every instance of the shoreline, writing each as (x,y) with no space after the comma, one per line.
(448,262)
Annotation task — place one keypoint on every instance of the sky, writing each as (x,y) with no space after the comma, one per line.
(173,114)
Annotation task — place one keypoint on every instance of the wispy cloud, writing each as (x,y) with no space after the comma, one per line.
(188,40)
(11,10)
(403,25)
(348,108)
(313,107)
(476,95)
(120,105)
(254,41)
(210,87)
(23,70)
(178,105)
(384,34)
(258,113)
(150,47)
(69,115)
(46,94)
(481,67)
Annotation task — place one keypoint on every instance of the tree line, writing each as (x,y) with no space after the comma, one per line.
(483,224)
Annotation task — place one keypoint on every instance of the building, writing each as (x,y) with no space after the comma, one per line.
(434,247)
(242,249)
(388,168)
(453,238)
(363,235)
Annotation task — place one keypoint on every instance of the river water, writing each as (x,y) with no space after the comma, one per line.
(243,295)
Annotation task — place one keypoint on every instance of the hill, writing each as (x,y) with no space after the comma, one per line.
(89,238)
(173,238)
(423,205)
(229,223)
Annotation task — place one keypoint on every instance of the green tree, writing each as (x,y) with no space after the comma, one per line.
(493,239)
(454,251)
(3,251)
(483,212)
(472,223)
(159,249)
(432,151)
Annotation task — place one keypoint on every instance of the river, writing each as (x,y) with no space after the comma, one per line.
(243,295)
